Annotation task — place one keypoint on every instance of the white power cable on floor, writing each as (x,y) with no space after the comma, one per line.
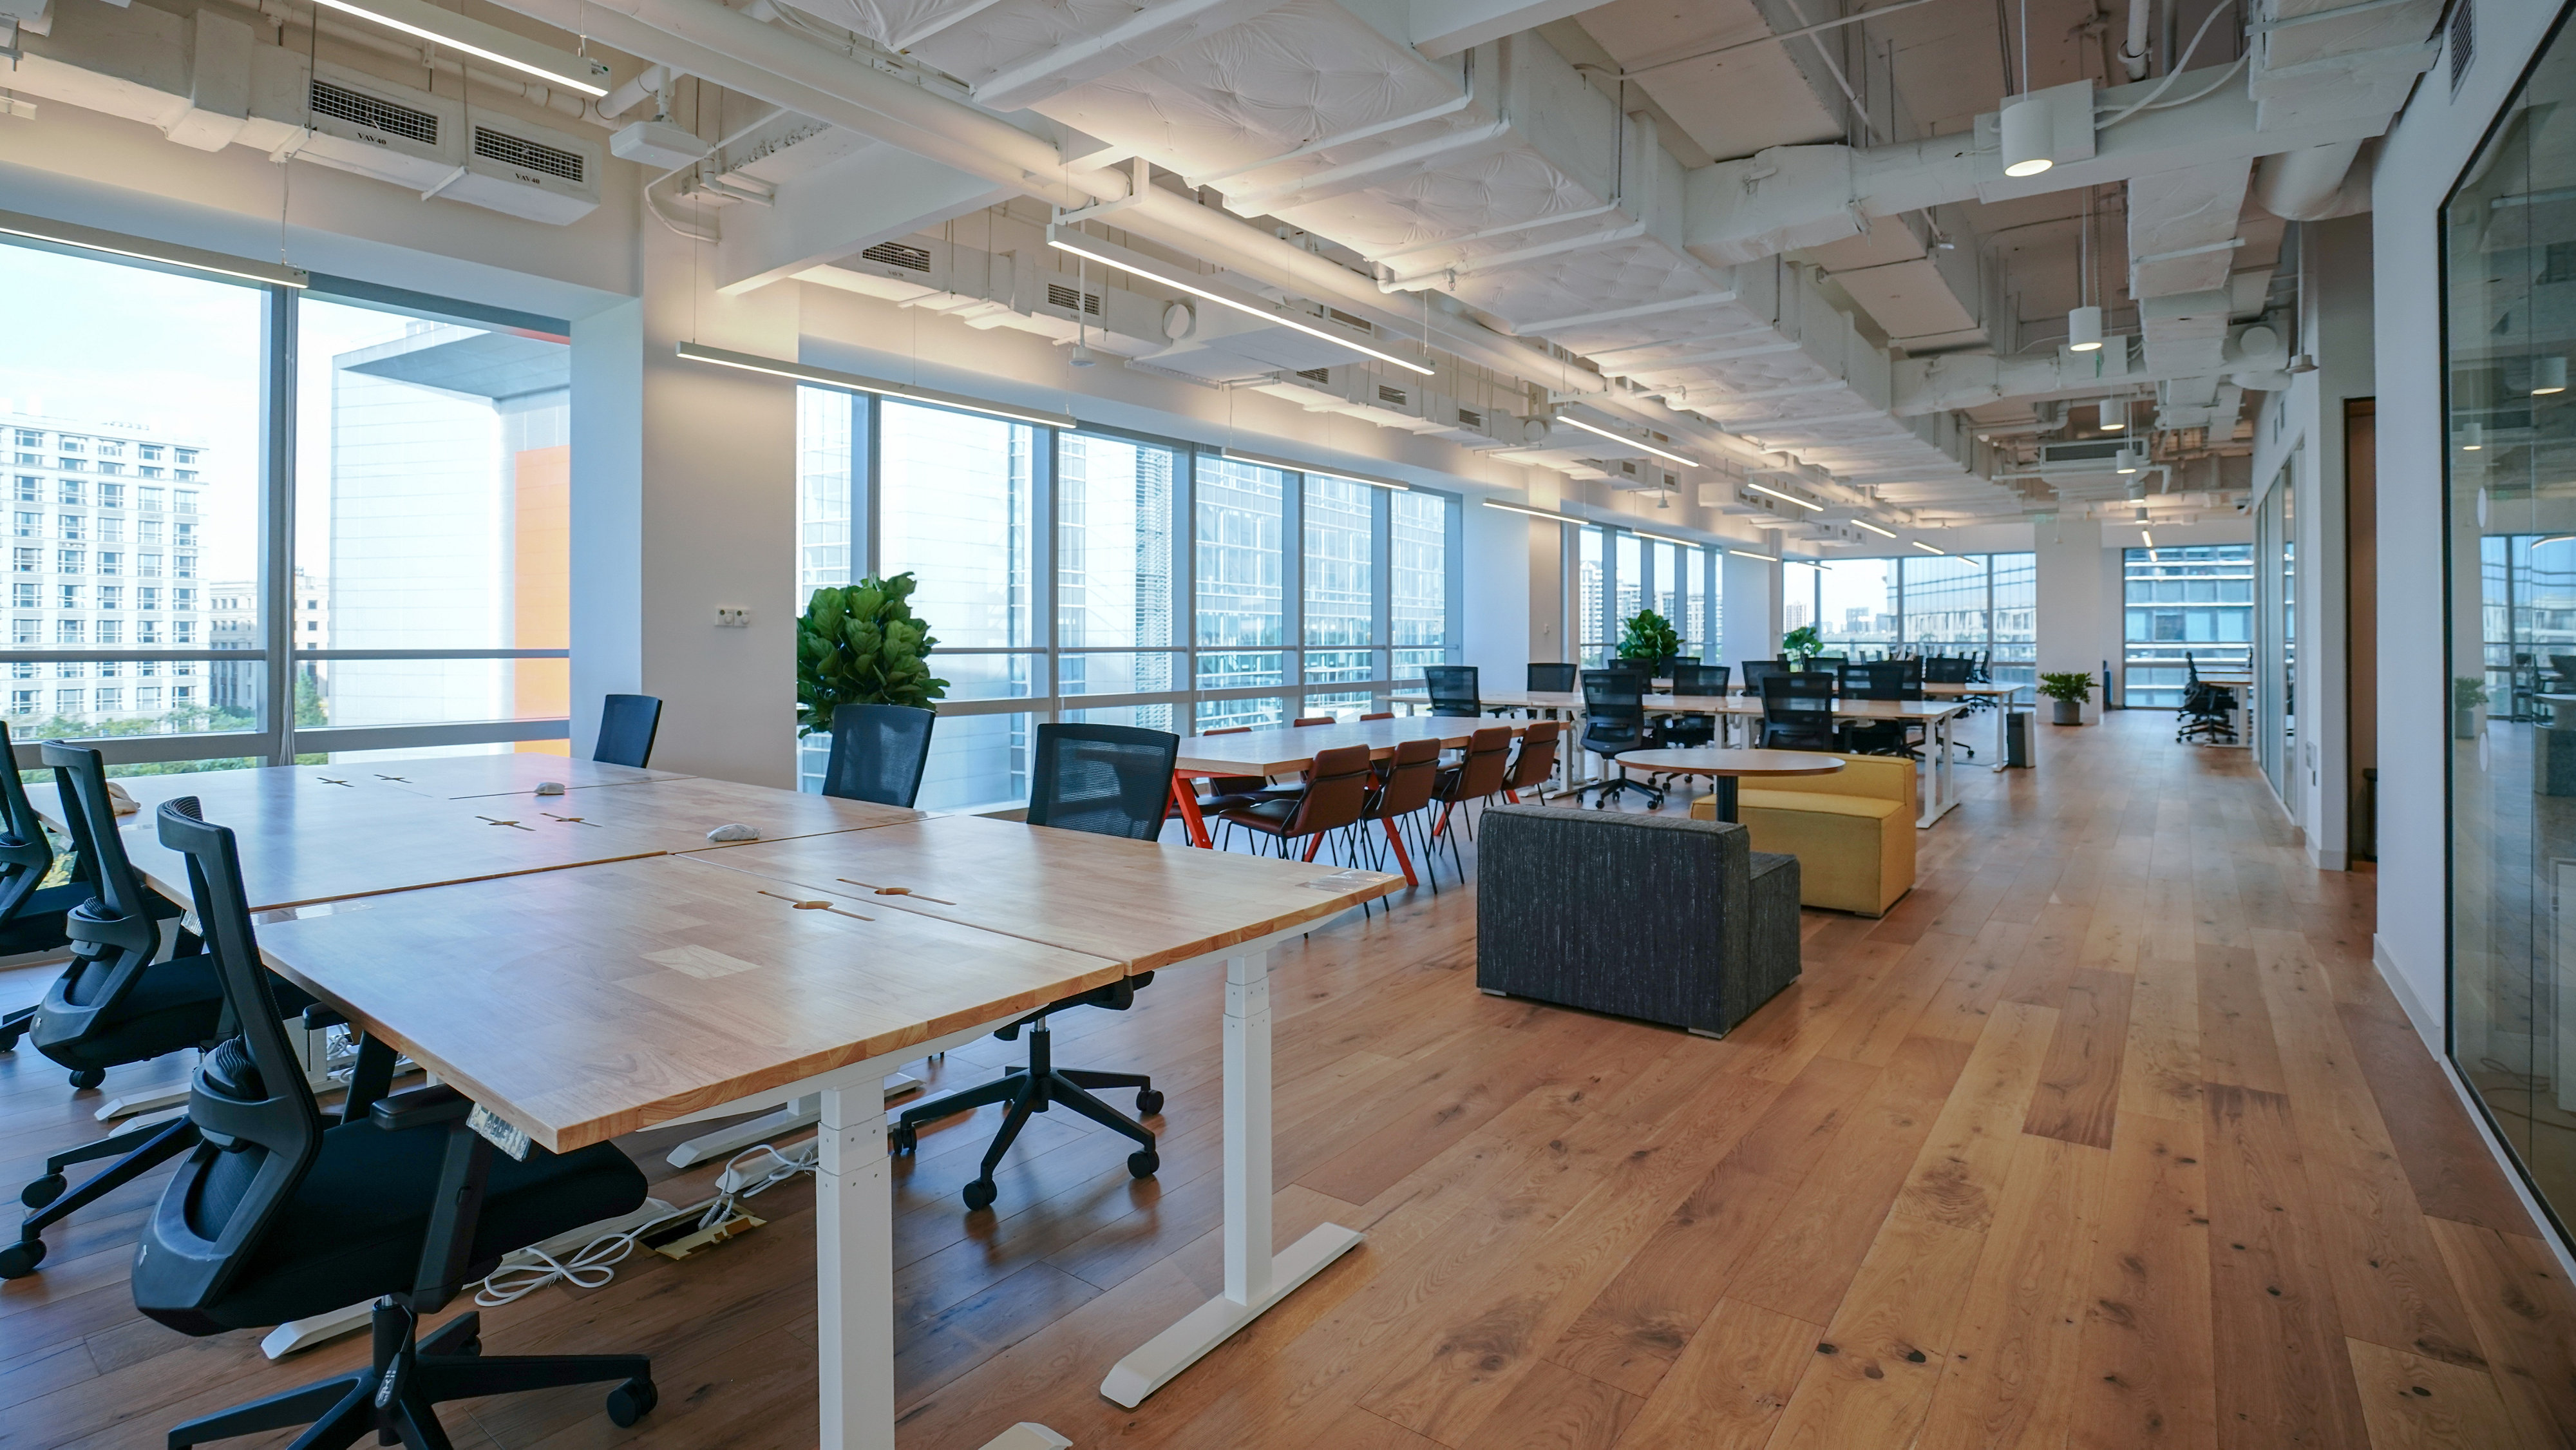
(594,1263)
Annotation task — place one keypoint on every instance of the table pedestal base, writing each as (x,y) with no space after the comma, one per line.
(1154,1363)
(1724,795)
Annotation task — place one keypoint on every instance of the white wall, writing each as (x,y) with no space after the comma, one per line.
(2419,160)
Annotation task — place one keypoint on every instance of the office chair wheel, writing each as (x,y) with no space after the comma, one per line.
(44,1190)
(89,1077)
(631,1402)
(1148,1102)
(907,1139)
(980,1194)
(9,1036)
(1143,1162)
(21,1258)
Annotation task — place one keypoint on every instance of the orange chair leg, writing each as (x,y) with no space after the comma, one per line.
(1396,840)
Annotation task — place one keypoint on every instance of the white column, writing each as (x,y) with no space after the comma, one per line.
(854,1270)
(2074,623)
(1749,596)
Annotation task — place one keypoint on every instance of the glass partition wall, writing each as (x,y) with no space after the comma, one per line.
(1103,577)
(254,523)
(2509,316)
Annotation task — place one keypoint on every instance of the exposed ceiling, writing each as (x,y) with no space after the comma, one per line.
(1583,237)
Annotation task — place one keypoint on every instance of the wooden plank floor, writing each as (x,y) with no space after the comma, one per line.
(2108,1136)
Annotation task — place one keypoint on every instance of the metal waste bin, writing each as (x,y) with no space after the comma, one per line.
(2017,739)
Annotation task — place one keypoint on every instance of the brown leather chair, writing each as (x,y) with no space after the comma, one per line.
(1536,761)
(1222,792)
(1337,788)
(1401,792)
(1477,776)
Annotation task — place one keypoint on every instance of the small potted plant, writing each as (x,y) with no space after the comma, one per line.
(2467,694)
(1651,639)
(2071,689)
(860,645)
(1802,644)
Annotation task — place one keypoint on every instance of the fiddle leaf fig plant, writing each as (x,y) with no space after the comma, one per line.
(1649,636)
(860,645)
(1803,643)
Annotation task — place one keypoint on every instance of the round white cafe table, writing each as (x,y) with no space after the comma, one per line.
(1728,766)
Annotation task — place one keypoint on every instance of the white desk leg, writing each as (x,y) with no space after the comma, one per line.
(1255,1278)
(854,1262)
(796,1116)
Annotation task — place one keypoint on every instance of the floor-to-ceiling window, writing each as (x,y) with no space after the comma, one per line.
(2509,241)
(2182,607)
(1947,604)
(256,521)
(1593,634)
(1083,575)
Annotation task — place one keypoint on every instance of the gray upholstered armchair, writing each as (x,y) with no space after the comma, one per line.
(1671,920)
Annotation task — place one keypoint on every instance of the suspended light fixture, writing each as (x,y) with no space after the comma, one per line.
(2084,329)
(1926,548)
(422,20)
(2548,375)
(2028,136)
(1875,529)
(2126,461)
(2111,424)
(2472,437)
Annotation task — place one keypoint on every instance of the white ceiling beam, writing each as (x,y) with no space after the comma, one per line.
(1446,27)
(1139,38)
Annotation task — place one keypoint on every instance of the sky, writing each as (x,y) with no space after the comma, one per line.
(94,342)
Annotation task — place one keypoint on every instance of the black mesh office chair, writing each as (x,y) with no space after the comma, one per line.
(1558,679)
(1756,671)
(627,724)
(31,913)
(1692,678)
(1453,690)
(278,1214)
(1108,780)
(1614,709)
(1947,670)
(1894,680)
(1798,711)
(878,752)
(136,989)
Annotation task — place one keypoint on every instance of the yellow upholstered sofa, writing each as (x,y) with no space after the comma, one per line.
(1852,831)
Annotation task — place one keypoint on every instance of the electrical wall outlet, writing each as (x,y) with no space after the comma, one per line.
(730,617)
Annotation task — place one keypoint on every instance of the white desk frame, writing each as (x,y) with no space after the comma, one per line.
(854,1222)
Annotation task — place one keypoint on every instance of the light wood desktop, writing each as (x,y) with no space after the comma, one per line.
(1725,766)
(584,1001)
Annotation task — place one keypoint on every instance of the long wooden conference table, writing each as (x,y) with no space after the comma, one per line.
(1940,789)
(1290,748)
(585,965)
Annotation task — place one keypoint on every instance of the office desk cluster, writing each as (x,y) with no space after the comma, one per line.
(588,964)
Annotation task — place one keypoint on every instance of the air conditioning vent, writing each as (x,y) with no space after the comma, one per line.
(1386,394)
(1059,295)
(359,109)
(1317,376)
(1470,418)
(896,254)
(527,155)
(1347,320)
(2089,452)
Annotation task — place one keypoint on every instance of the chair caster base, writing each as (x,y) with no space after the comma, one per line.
(980,1194)
(21,1258)
(1148,1103)
(631,1402)
(1143,1162)
(89,1077)
(44,1190)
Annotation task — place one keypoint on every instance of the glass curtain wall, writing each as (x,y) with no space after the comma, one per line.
(253,524)
(2183,607)
(1617,573)
(1593,632)
(1948,604)
(1089,576)
(2509,315)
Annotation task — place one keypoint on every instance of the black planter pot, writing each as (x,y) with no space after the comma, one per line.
(2069,712)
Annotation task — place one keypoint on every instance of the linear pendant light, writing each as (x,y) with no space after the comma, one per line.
(1749,554)
(1293,466)
(1875,529)
(1574,422)
(1776,493)
(1926,548)
(169,254)
(1521,508)
(423,21)
(1664,539)
(1065,239)
(852,382)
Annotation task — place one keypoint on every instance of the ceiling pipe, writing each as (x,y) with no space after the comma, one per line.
(650,81)
(2133,56)
(2314,184)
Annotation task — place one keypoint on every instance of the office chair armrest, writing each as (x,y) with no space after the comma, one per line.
(420,1107)
(317,1017)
